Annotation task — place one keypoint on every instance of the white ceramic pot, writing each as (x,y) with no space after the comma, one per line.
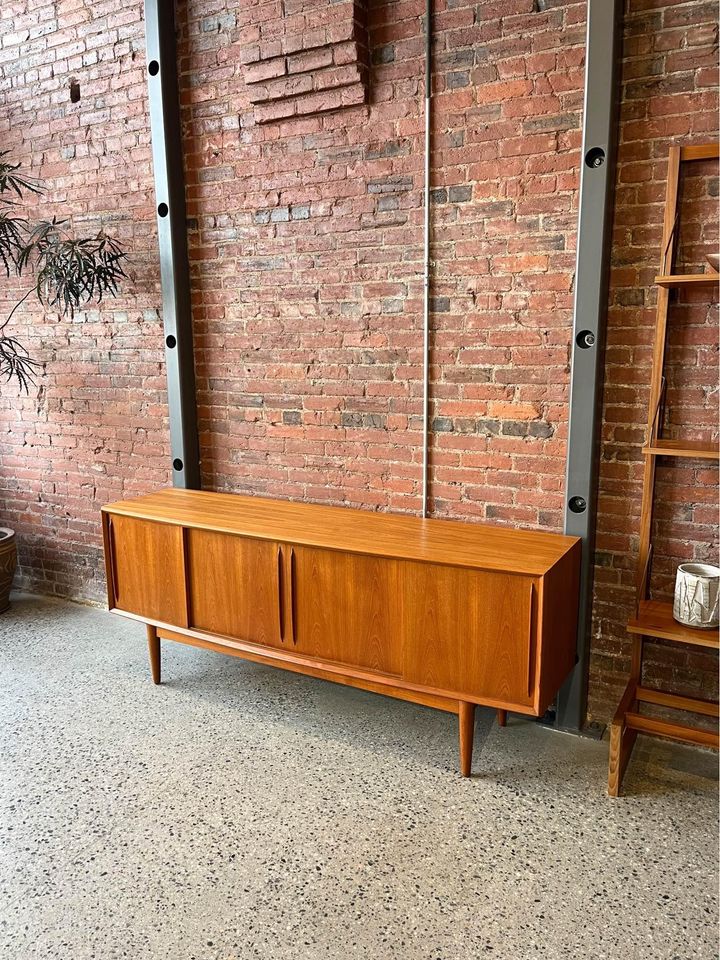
(696,595)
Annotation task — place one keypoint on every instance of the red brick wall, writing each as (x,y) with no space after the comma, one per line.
(306,248)
(317,392)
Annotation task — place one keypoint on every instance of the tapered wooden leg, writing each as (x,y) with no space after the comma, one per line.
(154,651)
(502,718)
(466,716)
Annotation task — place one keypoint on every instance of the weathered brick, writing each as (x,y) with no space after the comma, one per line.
(461,193)
(266,70)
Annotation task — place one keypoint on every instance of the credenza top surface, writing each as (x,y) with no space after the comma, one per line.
(400,536)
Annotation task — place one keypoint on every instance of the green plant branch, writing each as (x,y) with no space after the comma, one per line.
(20,302)
(69,272)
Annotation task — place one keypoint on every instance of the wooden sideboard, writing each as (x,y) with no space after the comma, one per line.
(441,613)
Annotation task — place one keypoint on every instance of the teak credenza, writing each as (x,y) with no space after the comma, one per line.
(438,612)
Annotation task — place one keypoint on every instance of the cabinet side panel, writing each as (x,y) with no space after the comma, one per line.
(147,569)
(469,631)
(233,586)
(559,599)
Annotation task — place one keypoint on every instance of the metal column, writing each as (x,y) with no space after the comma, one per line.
(426,260)
(172,239)
(591,290)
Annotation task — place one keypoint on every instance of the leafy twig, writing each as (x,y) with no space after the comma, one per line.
(72,272)
(68,272)
(12,238)
(16,362)
(10,181)
(20,302)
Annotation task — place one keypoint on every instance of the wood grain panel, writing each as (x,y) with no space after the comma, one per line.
(478,546)
(469,631)
(233,585)
(347,608)
(146,569)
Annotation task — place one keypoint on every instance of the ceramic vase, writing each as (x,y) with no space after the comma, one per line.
(696,595)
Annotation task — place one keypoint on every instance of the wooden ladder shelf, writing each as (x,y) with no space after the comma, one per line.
(653,618)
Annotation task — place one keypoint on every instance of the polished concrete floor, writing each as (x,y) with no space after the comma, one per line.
(238,812)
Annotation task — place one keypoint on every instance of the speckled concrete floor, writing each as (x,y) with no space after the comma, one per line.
(242,812)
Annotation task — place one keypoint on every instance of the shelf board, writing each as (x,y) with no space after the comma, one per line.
(700,151)
(683,448)
(708,708)
(688,280)
(655,619)
(674,731)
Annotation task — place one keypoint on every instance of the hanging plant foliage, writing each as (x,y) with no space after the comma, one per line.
(68,272)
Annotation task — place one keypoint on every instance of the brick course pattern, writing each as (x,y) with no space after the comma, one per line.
(306,256)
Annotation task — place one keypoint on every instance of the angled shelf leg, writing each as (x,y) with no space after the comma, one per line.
(501,718)
(622,740)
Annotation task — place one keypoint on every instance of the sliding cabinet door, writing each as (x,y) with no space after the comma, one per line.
(146,568)
(470,632)
(346,608)
(236,586)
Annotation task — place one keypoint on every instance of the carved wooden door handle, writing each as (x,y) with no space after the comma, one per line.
(281,595)
(292,595)
(113,559)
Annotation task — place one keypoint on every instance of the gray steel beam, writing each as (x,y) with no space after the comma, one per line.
(426,259)
(597,180)
(167,154)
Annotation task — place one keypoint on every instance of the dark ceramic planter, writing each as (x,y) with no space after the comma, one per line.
(8,563)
